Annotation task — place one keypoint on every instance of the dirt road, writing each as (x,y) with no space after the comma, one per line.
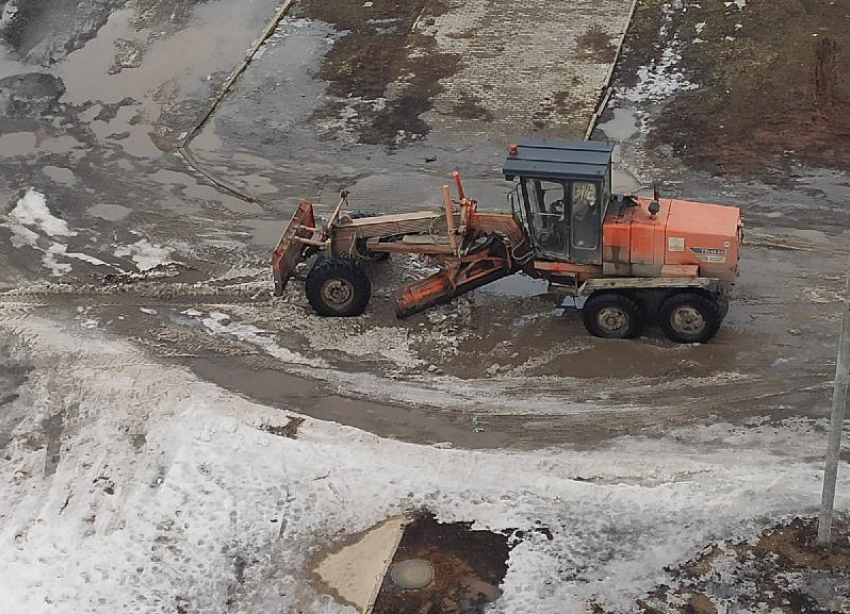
(135,298)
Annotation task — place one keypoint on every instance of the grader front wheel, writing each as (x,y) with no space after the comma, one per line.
(338,287)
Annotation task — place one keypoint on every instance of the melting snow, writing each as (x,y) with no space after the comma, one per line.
(218,323)
(211,513)
(32,211)
(32,224)
(145,254)
(662,78)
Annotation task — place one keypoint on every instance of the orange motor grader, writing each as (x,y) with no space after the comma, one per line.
(634,259)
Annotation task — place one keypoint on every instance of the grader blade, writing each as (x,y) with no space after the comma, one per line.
(457,277)
(289,250)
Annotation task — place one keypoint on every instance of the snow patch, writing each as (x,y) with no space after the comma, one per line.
(145,254)
(33,225)
(663,78)
(219,323)
(32,211)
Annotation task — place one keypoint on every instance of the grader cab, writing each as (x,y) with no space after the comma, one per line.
(634,259)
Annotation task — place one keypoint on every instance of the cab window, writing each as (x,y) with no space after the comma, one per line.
(585,204)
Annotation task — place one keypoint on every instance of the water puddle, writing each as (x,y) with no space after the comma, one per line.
(279,389)
(189,188)
(354,572)
(457,570)
(129,131)
(517,286)
(411,564)
(623,126)
(159,69)
(111,213)
(621,129)
(59,174)
(207,140)
(215,40)
(18,144)
(264,232)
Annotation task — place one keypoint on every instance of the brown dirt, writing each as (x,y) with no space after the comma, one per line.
(468,565)
(288,430)
(379,48)
(777,94)
(772,574)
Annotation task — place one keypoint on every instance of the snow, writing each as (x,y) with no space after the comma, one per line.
(33,225)
(121,525)
(663,78)
(145,254)
(219,323)
(31,211)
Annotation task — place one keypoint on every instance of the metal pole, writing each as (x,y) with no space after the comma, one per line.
(839,404)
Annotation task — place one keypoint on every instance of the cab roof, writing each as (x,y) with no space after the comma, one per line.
(546,158)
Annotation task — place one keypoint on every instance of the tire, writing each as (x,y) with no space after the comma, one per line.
(338,287)
(687,317)
(367,255)
(612,316)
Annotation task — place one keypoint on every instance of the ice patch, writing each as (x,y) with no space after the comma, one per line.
(145,254)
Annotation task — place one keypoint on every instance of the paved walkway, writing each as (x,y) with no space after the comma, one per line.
(526,66)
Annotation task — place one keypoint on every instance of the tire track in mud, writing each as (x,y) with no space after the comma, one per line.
(131,295)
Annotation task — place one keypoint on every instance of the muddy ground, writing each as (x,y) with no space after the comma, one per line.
(97,136)
(781,570)
(767,87)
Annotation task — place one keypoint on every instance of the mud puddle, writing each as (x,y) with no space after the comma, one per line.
(313,398)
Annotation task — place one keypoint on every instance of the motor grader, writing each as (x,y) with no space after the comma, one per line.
(632,259)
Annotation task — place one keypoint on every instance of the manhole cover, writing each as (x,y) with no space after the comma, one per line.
(413,573)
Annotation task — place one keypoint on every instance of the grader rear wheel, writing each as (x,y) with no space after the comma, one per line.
(688,317)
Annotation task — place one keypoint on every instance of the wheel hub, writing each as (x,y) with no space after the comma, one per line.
(687,320)
(337,292)
(612,319)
